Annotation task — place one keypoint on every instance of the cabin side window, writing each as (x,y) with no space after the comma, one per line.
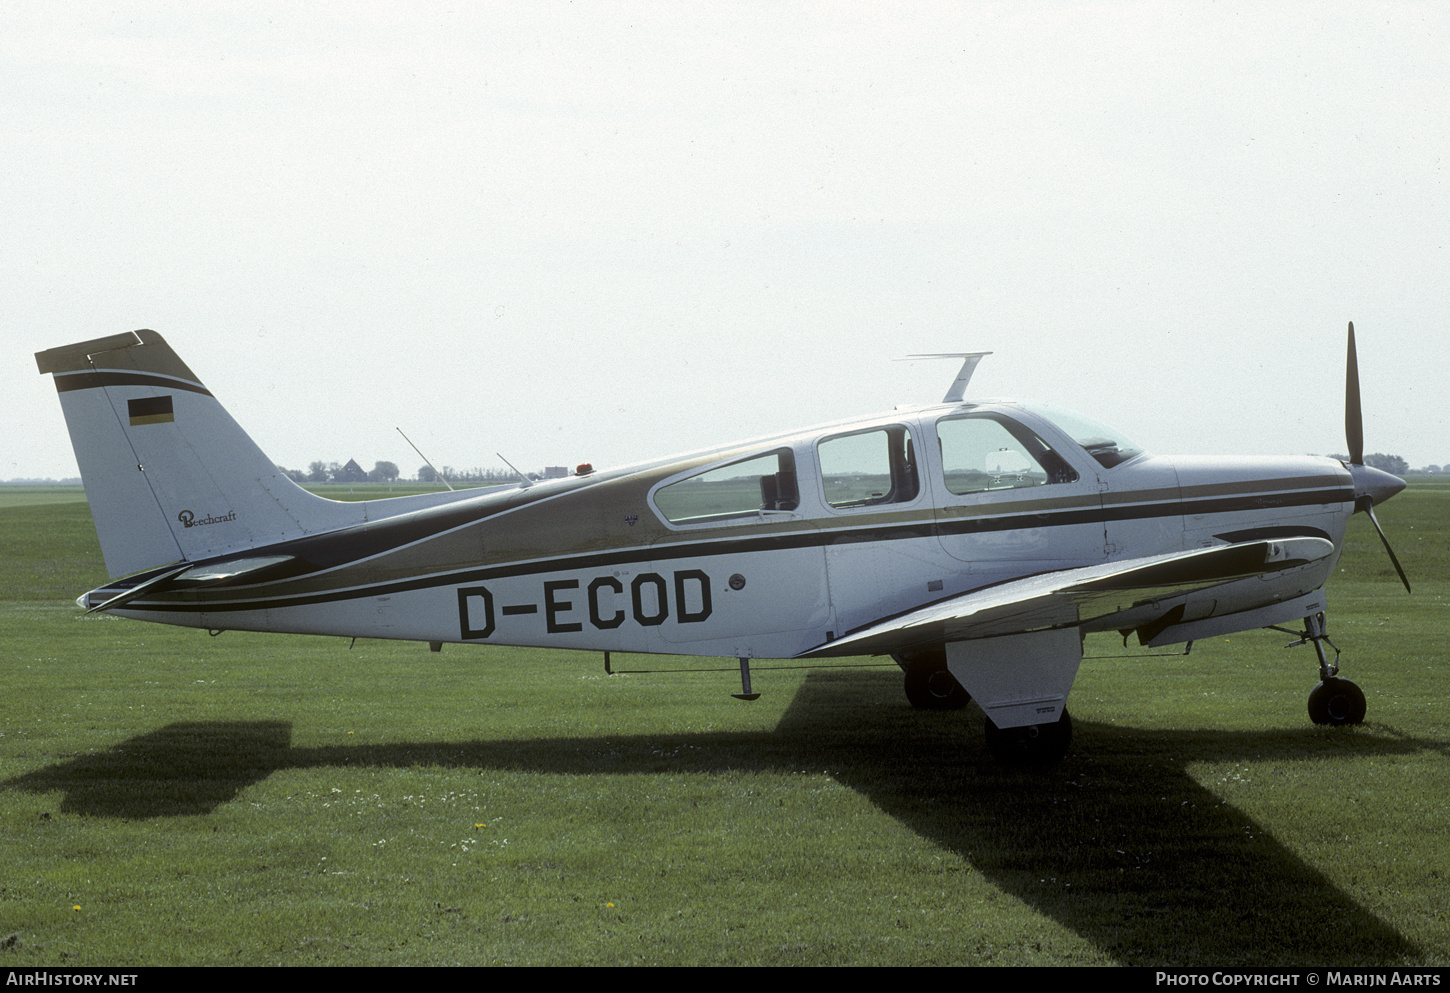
(869,468)
(982,453)
(767,482)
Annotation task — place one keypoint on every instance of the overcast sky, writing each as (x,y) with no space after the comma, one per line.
(602,232)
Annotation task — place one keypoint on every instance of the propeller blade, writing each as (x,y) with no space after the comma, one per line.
(1353,420)
(1369,483)
(1367,505)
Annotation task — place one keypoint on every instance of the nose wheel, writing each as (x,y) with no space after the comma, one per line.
(1334,701)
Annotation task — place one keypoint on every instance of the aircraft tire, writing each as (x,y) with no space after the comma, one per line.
(1336,702)
(1032,745)
(930,685)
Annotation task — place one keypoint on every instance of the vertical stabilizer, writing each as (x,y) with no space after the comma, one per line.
(168,473)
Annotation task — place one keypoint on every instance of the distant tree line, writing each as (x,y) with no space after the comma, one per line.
(337,472)
(388,472)
(474,475)
(1389,463)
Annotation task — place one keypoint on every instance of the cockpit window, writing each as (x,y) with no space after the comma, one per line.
(1103,443)
(980,452)
(767,482)
(869,468)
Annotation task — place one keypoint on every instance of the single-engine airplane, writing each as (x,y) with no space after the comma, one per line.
(975,543)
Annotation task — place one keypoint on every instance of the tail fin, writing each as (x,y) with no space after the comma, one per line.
(168,473)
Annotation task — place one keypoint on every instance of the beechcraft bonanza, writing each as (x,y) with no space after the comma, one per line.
(975,543)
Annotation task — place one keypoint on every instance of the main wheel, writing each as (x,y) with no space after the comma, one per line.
(1336,701)
(930,685)
(1034,744)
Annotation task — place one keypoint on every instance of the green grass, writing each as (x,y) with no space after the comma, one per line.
(27,496)
(171,798)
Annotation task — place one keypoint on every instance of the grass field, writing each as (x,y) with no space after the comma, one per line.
(171,798)
(30,496)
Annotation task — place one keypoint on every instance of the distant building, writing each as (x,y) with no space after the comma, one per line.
(352,473)
(555,471)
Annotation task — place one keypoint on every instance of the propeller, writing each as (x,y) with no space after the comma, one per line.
(1353,419)
(1371,485)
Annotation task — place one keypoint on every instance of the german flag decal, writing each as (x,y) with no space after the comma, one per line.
(150,410)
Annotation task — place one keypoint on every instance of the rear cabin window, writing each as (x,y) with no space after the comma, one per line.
(981,453)
(869,468)
(741,489)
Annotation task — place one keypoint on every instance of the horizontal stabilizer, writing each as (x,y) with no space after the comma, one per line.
(192,576)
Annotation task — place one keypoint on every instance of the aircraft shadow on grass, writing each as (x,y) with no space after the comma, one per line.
(1119,843)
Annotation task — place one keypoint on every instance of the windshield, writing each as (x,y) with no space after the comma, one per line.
(1103,443)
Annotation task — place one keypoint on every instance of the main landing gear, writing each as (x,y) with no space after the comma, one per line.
(1035,744)
(1334,701)
(930,685)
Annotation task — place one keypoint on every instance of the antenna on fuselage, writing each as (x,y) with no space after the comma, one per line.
(969,366)
(524,481)
(436,474)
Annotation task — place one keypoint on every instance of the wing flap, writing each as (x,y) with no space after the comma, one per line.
(1071,597)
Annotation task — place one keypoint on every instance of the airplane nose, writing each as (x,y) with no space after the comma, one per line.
(1374,483)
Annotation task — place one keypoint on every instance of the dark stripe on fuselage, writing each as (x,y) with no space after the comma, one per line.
(814,537)
(1271,533)
(67,381)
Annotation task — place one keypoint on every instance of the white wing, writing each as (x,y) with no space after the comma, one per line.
(1134,590)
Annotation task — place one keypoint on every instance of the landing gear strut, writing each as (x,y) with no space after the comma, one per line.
(930,685)
(1334,701)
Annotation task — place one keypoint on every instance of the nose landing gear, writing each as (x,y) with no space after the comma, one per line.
(1333,701)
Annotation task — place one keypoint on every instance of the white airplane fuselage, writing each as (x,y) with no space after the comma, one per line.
(590,562)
